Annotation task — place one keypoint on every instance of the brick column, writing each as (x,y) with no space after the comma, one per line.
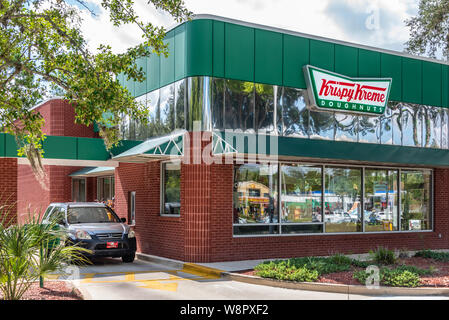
(195,200)
(8,188)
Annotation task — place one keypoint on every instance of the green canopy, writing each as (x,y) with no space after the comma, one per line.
(93,172)
(155,148)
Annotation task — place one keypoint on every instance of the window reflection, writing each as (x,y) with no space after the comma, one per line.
(431,126)
(255,194)
(239,105)
(265,113)
(415,200)
(369,129)
(295,115)
(322,125)
(301,188)
(342,208)
(180,103)
(386,126)
(381,200)
(396,120)
(167,108)
(345,127)
(444,128)
(412,125)
(218,92)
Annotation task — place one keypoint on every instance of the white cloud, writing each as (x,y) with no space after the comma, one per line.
(326,18)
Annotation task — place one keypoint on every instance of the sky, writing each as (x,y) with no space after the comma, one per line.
(377,23)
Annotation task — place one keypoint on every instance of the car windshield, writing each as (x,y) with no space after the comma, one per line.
(90,215)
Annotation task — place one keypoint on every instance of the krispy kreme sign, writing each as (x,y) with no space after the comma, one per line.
(334,92)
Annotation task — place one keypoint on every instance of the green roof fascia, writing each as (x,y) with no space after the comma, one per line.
(69,148)
(231,49)
(285,147)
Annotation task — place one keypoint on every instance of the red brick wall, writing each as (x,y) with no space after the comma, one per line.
(33,198)
(156,235)
(8,189)
(59,118)
(226,248)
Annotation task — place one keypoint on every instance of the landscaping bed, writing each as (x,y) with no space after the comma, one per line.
(53,290)
(425,269)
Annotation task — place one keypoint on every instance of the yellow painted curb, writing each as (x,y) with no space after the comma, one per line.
(202,271)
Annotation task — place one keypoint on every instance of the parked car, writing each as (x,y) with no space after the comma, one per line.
(96,227)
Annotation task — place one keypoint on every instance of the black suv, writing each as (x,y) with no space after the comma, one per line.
(96,227)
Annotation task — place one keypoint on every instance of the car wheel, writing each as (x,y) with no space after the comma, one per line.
(129,258)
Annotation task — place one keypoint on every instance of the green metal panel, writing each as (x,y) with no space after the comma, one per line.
(268,57)
(296,55)
(58,147)
(180,52)
(218,49)
(239,52)
(199,48)
(168,63)
(91,149)
(391,67)
(369,63)
(10,146)
(431,79)
(141,87)
(208,47)
(322,54)
(412,80)
(123,146)
(153,72)
(346,60)
(337,150)
(444,85)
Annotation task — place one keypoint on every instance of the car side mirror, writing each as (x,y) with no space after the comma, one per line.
(123,220)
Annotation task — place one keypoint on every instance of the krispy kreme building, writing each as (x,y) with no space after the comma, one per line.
(268,143)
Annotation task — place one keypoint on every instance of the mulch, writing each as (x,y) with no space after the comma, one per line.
(438,279)
(52,290)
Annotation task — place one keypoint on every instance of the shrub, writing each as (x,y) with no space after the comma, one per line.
(29,252)
(428,254)
(305,268)
(383,256)
(400,278)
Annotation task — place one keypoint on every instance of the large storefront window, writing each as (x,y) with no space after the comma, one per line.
(416,199)
(392,199)
(171,188)
(342,207)
(301,198)
(256,197)
(381,200)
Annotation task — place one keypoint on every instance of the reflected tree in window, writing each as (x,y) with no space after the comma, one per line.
(322,125)
(265,108)
(239,105)
(295,115)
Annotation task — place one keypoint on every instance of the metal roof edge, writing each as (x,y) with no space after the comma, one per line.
(308,36)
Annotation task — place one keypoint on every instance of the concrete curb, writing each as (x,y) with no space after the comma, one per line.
(338,288)
(160,260)
(85,295)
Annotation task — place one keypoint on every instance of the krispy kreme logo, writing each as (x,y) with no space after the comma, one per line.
(332,91)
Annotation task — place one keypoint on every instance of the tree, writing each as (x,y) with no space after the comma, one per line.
(429,30)
(42,47)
